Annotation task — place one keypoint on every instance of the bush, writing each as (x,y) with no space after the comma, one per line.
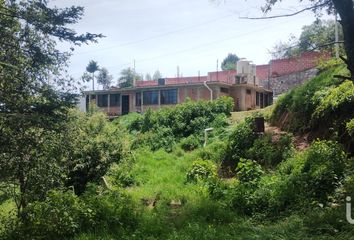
(60,216)
(214,151)
(93,144)
(187,118)
(190,143)
(201,170)
(63,214)
(119,175)
(270,153)
(248,171)
(155,139)
(300,182)
(240,140)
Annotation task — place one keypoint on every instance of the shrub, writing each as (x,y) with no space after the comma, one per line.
(119,175)
(214,151)
(190,143)
(188,118)
(155,139)
(350,127)
(241,139)
(248,171)
(93,144)
(59,216)
(201,170)
(269,153)
(112,211)
(300,182)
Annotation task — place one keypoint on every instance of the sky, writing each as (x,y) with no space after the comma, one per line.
(192,34)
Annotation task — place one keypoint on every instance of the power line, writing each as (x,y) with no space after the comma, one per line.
(158,35)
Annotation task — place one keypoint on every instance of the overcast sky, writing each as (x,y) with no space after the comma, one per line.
(192,34)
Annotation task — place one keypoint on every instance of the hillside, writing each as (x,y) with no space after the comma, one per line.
(149,177)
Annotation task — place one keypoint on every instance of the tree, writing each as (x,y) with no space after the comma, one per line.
(229,63)
(104,78)
(32,112)
(316,36)
(157,75)
(92,67)
(345,9)
(127,78)
(148,77)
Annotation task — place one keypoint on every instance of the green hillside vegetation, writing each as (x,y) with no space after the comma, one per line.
(149,177)
(321,107)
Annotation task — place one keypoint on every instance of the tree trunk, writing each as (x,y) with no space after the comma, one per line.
(345,8)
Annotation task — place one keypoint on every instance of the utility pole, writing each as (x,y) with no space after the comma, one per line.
(177,71)
(336,35)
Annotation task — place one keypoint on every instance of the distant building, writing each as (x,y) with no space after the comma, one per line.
(241,84)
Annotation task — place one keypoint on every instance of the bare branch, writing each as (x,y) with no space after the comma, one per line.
(287,15)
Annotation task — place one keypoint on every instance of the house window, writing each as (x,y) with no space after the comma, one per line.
(257,98)
(102,100)
(224,90)
(151,97)
(169,96)
(138,99)
(238,80)
(114,100)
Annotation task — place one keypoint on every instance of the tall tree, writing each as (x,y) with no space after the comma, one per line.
(92,67)
(156,75)
(32,111)
(104,78)
(148,77)
(345,9)
(229,63)
(127,78)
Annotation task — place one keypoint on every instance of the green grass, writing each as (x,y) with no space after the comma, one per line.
(237,117)
(162,175)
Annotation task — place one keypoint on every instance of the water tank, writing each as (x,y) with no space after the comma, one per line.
(161,81)
(243,67)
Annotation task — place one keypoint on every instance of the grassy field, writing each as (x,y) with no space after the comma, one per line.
(170,208)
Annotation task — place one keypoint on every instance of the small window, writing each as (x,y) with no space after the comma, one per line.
(169,96)
(224,90)
(238,80)
(102,100)
(138,99)
(114,100)
(151,97)
(248,91)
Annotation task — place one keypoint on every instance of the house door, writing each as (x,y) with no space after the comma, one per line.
(125,104)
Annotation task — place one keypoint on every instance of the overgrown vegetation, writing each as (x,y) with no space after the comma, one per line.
(321,107)
(70,175)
